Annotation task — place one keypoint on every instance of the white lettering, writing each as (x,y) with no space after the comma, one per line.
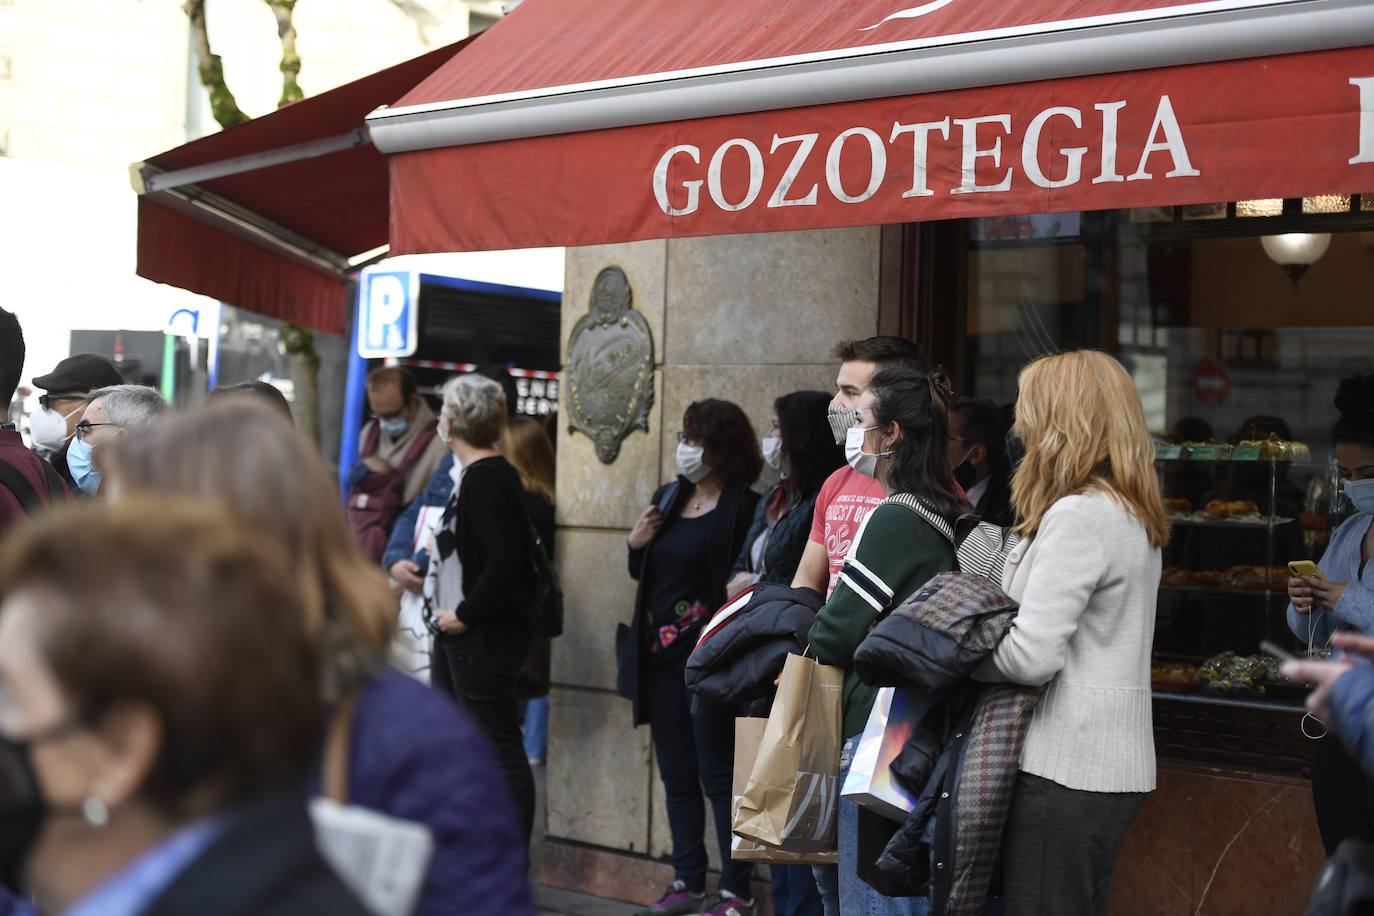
(920,142)
(1030,149)
(969,183)
(755,174)
(1172,144)
(661,182)
(1109,173)
(877,165)
(1366,86)
(779,199)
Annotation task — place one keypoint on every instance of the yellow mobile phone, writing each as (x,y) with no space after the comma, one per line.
(1305,568)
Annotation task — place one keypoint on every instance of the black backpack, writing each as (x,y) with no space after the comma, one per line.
(545,611)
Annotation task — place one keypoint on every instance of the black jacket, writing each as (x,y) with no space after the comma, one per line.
(493,544)
(264,864)
(739,662)
(962,759)
(995,503)
(734,512)
(782,552)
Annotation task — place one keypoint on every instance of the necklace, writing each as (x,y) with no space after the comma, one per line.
(696,504)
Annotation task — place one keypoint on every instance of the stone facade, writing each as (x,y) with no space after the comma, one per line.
(744,318)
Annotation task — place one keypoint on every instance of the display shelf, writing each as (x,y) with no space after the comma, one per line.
(1212,590)
(1257,524)
(1264,703)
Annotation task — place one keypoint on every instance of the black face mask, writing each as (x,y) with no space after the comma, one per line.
(22,806)
(965,475)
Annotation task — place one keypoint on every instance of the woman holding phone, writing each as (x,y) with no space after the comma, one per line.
(1341,600)
(1085,574)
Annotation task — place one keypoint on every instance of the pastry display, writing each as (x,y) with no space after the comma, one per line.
(1192,578)
(1230,508)
(1177,506)
(1276,448)
(1256,578)
(1229,674)
(1174,677)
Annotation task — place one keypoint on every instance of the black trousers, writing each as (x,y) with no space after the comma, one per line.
(1059,847)
(1341,794)
(479,671)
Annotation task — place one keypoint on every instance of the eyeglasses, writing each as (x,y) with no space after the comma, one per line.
(83,429)
(46,400)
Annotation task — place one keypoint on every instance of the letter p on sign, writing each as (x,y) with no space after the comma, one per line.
(387,314)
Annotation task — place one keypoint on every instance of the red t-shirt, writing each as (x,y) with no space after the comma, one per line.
(845,498)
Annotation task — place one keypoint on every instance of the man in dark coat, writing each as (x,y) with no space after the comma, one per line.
(27,482)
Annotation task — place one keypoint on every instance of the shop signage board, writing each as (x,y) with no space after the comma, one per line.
(1286,126)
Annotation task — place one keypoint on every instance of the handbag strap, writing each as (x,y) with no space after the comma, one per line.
(334,769)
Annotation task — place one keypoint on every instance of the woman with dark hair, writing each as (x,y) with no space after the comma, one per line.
(899,437)
(1341,600)
(801,448)
(681,548)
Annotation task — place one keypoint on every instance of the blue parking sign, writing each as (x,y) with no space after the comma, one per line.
(387,313)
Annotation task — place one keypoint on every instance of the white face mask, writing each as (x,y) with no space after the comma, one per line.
(1360,493)
(689,463)
(48,428)
(860,460)
(772,452)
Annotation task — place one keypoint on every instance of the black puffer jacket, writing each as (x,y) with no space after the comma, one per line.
(739,661)
(962,759)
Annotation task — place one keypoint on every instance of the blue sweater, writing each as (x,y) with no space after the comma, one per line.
(436,493)
(1352,713)
(1341,563)
(416,755)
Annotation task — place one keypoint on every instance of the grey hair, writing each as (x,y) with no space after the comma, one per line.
(476,409)
(129,406)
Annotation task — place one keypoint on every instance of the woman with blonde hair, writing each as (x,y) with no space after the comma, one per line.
(411,755)
(1085,575)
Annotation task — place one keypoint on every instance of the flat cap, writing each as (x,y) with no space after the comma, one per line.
(80,372)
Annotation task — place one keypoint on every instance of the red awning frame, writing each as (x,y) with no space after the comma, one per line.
(276,214)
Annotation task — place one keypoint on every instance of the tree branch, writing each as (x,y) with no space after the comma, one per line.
(223,105)
(290,60)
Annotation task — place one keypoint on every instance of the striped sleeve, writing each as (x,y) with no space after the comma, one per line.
(866,584)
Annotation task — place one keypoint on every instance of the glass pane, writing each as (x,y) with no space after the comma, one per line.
(1367,201)
(1024,302)
(1327,203)
(1152,214)
(1204,211)
(1272,207)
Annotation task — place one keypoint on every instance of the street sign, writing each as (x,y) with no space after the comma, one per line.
(388,313)
(1211,382)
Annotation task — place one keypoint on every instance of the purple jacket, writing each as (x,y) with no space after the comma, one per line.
(414,754)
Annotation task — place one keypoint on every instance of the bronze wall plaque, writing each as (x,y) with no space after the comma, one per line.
(609,378)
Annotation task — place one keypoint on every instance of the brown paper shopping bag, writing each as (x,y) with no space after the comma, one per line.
(748,737)
(789,799)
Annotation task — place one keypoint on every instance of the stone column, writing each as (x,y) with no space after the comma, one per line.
(743,318)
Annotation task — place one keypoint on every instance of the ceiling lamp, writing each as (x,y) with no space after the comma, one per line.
(1296,251)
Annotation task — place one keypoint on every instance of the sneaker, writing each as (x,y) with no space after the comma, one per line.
(727,904)
(676,899)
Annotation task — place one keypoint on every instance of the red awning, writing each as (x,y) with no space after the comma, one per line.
(265,215)
(586,121)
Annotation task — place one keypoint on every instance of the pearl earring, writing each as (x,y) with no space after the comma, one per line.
(95,811)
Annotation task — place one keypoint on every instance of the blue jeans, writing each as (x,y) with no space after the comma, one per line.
(852,896)
(696,754)
(794,891)
(537,728)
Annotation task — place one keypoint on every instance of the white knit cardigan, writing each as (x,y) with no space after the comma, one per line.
(1087,584)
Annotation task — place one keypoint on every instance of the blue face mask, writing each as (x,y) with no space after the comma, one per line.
(1361,494)
(79,463)
(394,427)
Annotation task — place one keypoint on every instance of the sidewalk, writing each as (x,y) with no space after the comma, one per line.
(549,901)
